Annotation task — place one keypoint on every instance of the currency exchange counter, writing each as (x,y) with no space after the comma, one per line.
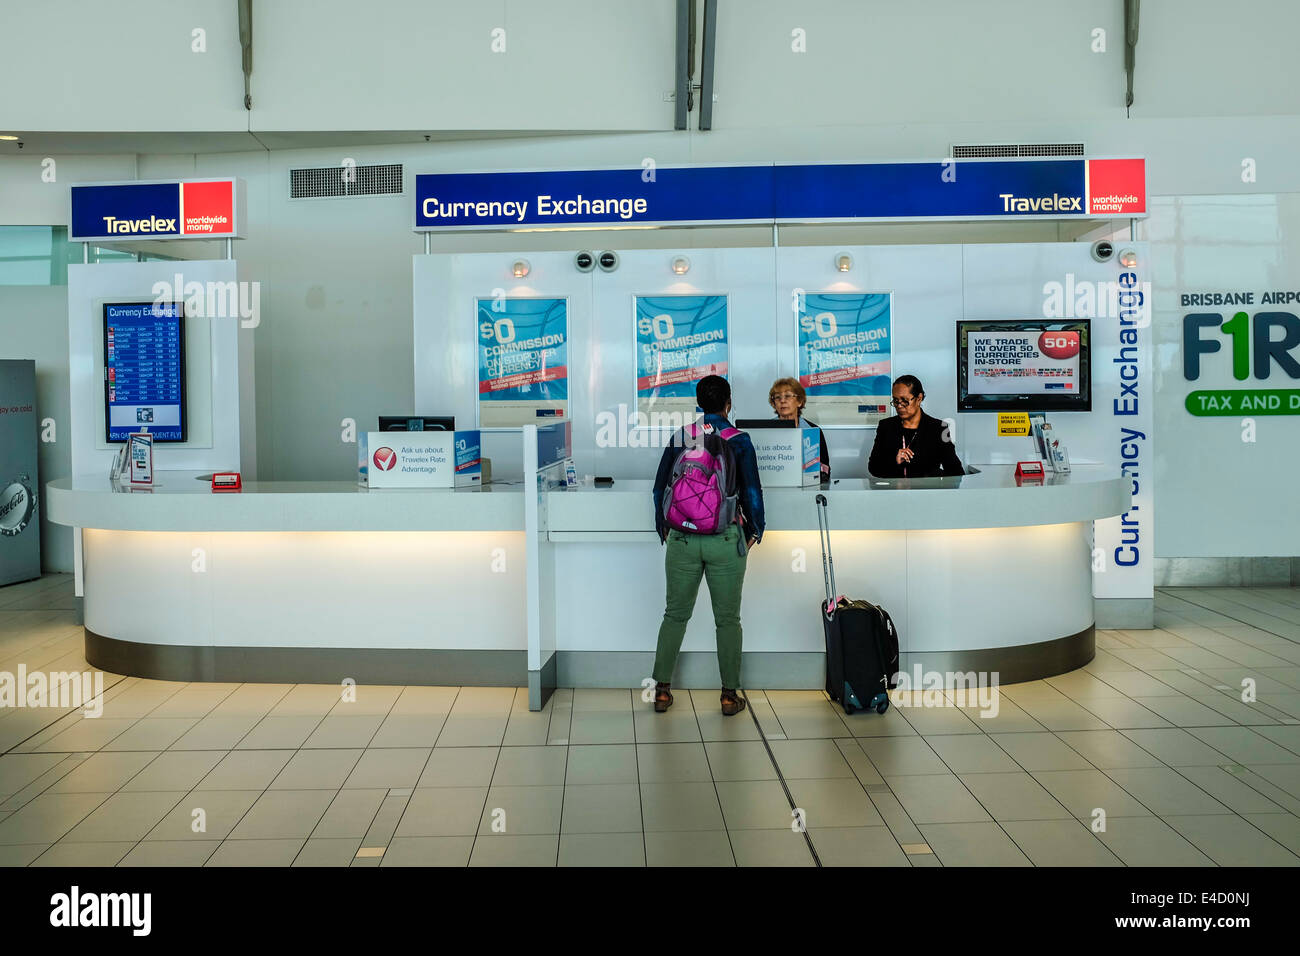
(978,573)
(312,582)
(324,581)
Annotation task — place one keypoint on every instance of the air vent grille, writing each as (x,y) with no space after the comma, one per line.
(1003,150)
(345,180)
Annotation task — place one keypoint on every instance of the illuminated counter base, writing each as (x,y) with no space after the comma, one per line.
(279,583)
(319,582)
(984,577)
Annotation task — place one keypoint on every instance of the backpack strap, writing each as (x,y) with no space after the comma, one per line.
(728,433)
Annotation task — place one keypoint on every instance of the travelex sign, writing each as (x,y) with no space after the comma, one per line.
(189,209)
(681,195)
(1259,343)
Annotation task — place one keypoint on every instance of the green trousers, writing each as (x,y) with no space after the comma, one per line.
(714,557)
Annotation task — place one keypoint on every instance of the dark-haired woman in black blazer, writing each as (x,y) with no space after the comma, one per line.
(912,444)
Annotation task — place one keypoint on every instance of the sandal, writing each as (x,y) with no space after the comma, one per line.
(732,702)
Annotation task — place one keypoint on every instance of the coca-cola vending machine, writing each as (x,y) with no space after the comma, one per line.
(20,522)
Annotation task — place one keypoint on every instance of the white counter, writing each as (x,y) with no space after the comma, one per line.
(978,573)
(321,581)
(181,502)
(300,581)
(989,499)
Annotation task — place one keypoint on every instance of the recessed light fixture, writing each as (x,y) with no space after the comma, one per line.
(7,138)
(844,262)
(521,268)
(681,265)
(1128,258)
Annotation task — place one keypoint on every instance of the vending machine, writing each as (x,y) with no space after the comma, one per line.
(20,524)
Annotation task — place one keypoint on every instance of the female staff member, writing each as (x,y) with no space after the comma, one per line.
(788,398)
(911,444)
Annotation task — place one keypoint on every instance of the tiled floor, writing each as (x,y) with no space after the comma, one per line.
(1153,733)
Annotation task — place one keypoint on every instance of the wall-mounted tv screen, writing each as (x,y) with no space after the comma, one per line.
(1027,365)
(144,370)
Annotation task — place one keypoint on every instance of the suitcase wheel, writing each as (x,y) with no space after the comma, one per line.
(880,702)
(882,707)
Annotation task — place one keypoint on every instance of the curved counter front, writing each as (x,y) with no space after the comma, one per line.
(323,581)
(310,582)
(979,573)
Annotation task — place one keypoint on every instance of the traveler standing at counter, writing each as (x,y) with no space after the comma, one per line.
(912,444)
(788,398)
(709,512)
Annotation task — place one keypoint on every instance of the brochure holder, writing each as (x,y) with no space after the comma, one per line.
(141,452)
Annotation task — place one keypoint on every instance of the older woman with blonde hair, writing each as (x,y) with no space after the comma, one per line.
(788,398)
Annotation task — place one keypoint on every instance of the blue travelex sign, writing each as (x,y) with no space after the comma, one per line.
(126,211)
(947,189)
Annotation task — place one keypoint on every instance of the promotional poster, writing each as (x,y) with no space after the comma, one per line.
(523,374)
(1023,362)
(844,356)
(680,339)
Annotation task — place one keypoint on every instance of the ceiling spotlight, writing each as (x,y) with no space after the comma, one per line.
(7,138)
(844,262)
(1128,258)
(681,265)
(521,268)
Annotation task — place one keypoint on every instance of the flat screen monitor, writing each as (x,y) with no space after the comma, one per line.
(417,423)
(749,424)
(144,370)
(1029,365)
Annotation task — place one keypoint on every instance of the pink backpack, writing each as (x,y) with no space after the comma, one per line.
(701,497)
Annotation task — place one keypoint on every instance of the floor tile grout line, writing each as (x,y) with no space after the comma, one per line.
(387,714)
(265,790)
(564,786)
(1245,783)
(487,792)
(807,837)
(714,780)
(1239,620)
(1098,675)
(66,713)
(1216,594)
(974,797)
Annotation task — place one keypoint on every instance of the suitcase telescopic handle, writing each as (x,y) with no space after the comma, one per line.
(828,563)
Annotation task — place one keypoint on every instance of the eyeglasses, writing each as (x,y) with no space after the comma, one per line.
(902,402)
(784,397)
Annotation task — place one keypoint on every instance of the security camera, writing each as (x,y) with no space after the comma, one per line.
(608,261)
(584,261)
(1102,250)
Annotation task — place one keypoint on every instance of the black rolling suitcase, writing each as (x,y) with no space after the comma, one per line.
(861,643)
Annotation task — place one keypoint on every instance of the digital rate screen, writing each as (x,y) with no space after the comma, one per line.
(144,370)
(1023,365)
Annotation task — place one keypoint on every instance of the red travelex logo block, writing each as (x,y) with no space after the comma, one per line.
(1117,187)
(208,208)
